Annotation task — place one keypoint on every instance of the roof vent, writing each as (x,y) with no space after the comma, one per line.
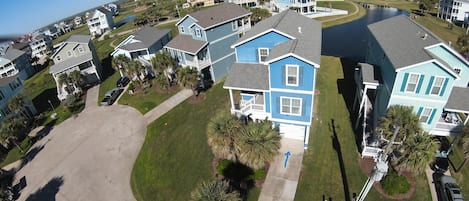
(299,29)
(424,37)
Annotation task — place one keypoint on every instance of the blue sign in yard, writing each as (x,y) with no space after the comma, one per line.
(287,155)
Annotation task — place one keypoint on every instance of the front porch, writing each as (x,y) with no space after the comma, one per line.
(189,52)
(248,104)
(455,113)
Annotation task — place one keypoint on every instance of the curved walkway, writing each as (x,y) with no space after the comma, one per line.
(357,9)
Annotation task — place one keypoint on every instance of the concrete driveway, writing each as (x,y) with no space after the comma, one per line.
(89,157)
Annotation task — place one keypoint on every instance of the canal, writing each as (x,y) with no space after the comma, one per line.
(349,40)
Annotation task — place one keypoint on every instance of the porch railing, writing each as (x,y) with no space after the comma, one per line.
(247,107)
(370,151)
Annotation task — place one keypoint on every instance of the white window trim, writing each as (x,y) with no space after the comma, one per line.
(58,58)
(80,49)
(429,115)
(198,33)
(297,74)
(291,98)
(416,84)
(181,29)
(69,53)
(234,25)
(433,85)
(259,53)
(456,70)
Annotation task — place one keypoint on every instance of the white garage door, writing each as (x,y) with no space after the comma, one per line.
(292,131)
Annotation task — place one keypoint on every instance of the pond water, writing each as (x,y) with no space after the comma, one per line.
(349,40)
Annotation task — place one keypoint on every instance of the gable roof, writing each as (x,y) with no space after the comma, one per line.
(248,76)
(12,54)
(69,63)
(216,15)
(147,37)
(397,32)
(458,99)
(82,39)
(186,43)
(306,33)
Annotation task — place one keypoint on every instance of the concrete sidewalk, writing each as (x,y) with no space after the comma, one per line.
(92,97)
(167,105)
(281,183)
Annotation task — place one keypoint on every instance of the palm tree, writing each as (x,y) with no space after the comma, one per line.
(163,81)
(258,144)
(465,146)
(64,79)
(214,191)
(134,70)
(222,132)
(17,104)
(163,63)
(417,152)
(403,116)
(11,130)
(188,78)
(76,79)
(119,63)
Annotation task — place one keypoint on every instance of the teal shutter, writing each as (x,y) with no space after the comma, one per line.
(430,84)
(444,87)
(420,83)
(431,116)
(404,83)
(420,111)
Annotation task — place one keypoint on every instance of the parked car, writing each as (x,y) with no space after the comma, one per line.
(111,96)
(123,81)
(448,189)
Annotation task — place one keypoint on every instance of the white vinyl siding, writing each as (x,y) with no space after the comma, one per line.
(437,85)
(292,74)
(290,106)
(412,82)
(263,54)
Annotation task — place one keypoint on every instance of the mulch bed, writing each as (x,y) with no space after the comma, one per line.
(196,99)
(171,89)
(367,164)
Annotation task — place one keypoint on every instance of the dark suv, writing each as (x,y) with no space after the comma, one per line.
(111,96)
(122,81)
(449,189)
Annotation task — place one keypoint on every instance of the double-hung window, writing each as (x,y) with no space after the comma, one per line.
(181,29)
(263,54)
(197,33)
(292,74)
(234,25)
(412,82)
(425,115)
(290,106)
(437,85)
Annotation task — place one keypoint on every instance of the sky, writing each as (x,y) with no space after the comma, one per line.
(18,17)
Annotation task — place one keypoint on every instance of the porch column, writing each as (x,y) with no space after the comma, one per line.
(249,20)
(307,137)
(231,100)
(242,23)
(148,54)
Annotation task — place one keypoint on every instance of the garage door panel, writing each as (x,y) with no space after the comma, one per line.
(292,131)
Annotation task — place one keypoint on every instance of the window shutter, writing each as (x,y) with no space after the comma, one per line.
(284,74)
(420,83)
(300,76)
(420,111)
(404,83)
(444,87)
(431,116)
(430,84)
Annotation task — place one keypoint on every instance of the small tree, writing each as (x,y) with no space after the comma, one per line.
(119,63)
(222,132)
(64,79)
(402,116)
(17,104)
(163,64)
(418,151)
(135,71)
(12,129)
(214,191)
(77,79)
(188,78)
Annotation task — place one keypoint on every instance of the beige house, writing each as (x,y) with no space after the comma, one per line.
(76,53)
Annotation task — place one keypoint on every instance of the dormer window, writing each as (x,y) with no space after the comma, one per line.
(197,32)
(263,54)
(458,71)
(58,58)
(181,29)
(69,53)
(292,74)
(80,49)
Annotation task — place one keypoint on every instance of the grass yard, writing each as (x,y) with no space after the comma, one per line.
(169,25)
(175,156)
(15,153)
(331,167)
(457,157)
(144,102)
(341,19)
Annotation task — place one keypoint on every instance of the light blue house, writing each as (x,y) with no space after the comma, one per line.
(274,75)
(205,38)
(413,67)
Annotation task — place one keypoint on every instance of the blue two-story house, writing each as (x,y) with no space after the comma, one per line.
(274,76)
(415,68)
(205,38)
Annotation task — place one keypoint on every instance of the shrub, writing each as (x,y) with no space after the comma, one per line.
(222,165)
(394,184)
(258,174)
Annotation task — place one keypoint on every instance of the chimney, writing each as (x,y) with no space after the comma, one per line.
(299,29)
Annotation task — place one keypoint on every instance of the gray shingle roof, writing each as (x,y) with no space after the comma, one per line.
(79,39)
(307,32)
(369,73)
(248,76)
(148,36)
(458,99)
(403,40)
(186,43)
(69,63)
(209,17)
(12,54)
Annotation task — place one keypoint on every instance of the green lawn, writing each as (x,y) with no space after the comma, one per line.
(322,172)
(457,157)
(343,5)
(144,102)
(15,153)
(169,25)
(175,156)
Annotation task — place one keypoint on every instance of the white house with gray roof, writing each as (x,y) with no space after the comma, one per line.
(143,44)
(15,62)
(100,22)
(413,67)
(274,76)
(76,53)
(205,38)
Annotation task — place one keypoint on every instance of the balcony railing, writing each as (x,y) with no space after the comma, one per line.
(199,64)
